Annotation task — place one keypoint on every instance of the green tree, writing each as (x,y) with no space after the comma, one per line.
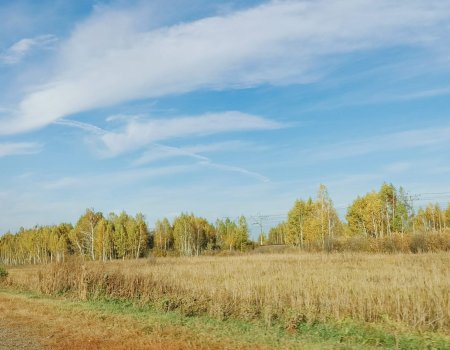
(242,233)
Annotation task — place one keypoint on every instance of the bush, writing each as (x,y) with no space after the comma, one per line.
(418,244)
(3,273)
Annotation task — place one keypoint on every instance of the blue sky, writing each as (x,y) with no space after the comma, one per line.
(218,108)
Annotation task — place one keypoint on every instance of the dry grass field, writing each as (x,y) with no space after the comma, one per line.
(402,291)
(31,322)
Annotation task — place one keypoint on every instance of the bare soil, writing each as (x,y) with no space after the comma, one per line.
(37,324)
(16,339)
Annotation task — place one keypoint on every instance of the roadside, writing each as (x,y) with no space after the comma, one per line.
(16,339)
(32,321)
(29,322)
(55,326)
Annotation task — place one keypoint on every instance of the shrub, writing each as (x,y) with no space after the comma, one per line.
(3,273)
(291,288)
(418,243)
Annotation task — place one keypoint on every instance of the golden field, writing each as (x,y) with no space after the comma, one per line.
(409,291)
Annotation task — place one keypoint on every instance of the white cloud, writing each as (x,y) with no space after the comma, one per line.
(382,143)
(126,177)
(113,58)
(16,52)
(398,167)
(140,133)
(236,169)
(18,148)
(112,179)
(83,126)
(157,152)
(26,208)
(415,95)
(376,97)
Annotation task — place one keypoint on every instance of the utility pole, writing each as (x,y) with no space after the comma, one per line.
(412,198)
(258,220)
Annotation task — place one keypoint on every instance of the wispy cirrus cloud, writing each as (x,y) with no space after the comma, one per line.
(19,148)
(279,42)
(383,143)
(122,177)
(131,176)
(16,52)
(158,152)
(90,128)
(232,168)
(398,167)
(361,98)
(138,133)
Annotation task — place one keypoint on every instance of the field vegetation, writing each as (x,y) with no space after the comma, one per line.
(383,221)
(382,278)
(402,290)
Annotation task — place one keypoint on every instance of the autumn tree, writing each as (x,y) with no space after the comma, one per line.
(431,219)
(242,233)
(232,235)
(365,215)
(447,218)
(278,234)
(381,213)
(84,233)
(396,208)
(163,235)
(312,221)
(191,234)
(300,220)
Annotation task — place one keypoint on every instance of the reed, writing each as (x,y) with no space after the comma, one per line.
(405,290)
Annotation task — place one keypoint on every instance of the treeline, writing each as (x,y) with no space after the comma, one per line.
(378,214)
(96,237)
(191,235)
(311,224)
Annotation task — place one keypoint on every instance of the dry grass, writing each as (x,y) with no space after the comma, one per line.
(403,290)
(58,325)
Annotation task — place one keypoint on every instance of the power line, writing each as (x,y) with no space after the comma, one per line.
(434,193)
(413,196)
(268,219)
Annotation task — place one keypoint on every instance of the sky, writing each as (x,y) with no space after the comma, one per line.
(219,108)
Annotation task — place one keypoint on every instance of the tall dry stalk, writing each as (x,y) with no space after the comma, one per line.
(411,290)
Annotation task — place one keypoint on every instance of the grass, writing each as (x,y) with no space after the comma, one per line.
(3,273)
(343,335)
(349,300)
(149,320)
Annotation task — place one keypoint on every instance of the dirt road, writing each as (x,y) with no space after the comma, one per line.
(29,323)
(16,339)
